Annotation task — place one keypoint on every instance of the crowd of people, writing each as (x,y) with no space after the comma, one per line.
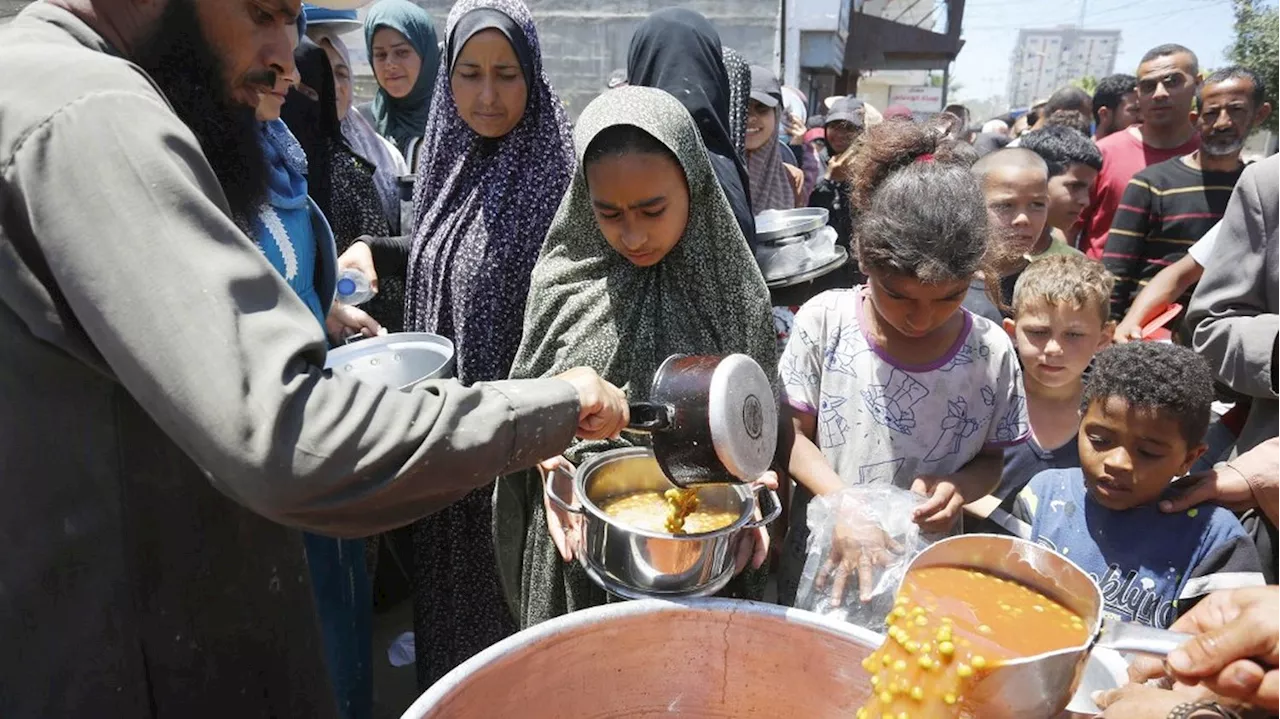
(183,181)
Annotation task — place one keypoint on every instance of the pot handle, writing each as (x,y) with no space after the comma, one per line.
(775,508)
(1139,639)
(554,496)
(650,417)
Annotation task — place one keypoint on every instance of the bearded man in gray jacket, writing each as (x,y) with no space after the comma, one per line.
(165,422)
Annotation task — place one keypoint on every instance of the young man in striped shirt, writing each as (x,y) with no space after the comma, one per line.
(1169,205)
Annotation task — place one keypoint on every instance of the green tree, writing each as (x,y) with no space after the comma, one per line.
(1088,83)
(1255,46)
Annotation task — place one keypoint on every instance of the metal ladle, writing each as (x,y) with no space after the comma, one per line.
(1042,686)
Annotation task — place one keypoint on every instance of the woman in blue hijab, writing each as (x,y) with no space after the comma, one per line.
(405,56)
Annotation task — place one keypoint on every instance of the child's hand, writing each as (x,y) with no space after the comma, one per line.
(943,507)
(858,546)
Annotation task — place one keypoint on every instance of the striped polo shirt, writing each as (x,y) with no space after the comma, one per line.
(1165,209)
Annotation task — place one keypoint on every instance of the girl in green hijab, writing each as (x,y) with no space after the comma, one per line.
(644,260)
(405,55)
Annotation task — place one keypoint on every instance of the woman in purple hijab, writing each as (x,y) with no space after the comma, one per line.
(482,214)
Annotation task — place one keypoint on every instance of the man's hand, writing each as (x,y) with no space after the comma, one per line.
(359,256)
(1249,481)
(939,513)
(1234,651)
(753,548)
(603,411)
(1138,701)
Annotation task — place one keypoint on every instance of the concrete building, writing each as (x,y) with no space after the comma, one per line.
(1045,60)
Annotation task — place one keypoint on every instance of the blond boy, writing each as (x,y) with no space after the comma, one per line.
(1061,305)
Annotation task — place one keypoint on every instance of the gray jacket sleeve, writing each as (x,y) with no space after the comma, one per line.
(206,336)
(1233,311)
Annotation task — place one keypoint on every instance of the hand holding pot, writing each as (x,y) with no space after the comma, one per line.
(564,527)
(754,547)
(602,408)
(1234,651)
(1139,701)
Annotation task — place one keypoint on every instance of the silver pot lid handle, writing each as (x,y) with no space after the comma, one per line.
(743,414)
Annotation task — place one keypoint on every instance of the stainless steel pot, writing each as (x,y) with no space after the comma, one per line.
(1041,686)
(635,563)
(713,420)
(399,360)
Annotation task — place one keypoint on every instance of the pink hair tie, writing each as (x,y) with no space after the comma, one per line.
(926,157)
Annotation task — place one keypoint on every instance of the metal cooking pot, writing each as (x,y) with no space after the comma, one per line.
(1041,686)
(635,563)
(700,659)
(777,224)
(399,360)
(713,420)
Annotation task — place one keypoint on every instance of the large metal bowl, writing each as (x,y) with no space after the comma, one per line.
(399,360)
(694,659)
(651,659)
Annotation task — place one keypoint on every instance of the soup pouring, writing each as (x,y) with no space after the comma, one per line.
(713,420)
(1041,686)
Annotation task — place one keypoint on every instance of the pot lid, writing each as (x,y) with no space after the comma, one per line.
(777,224)
(743,415)
(398,360)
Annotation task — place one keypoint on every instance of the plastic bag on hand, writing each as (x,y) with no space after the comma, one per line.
(878,517)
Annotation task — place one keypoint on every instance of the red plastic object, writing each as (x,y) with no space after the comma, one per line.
(1155,330)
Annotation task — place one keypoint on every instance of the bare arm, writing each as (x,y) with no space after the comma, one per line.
(1160,292)
(808,466)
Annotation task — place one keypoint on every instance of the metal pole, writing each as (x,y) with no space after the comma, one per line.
(1083,4)
(946,83)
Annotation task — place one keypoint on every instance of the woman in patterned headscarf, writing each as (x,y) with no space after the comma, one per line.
(482,215)
(739,72)
(683,280)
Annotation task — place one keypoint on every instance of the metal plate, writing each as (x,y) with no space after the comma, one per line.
(618,589)
(399,360)
(812,274)
(779,224)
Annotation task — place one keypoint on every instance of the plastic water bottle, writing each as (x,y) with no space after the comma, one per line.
(353,287)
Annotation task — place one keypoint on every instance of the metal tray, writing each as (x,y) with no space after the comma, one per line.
(836,263)
(780,224)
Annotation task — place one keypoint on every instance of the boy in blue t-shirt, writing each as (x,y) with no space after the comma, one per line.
(1144,413)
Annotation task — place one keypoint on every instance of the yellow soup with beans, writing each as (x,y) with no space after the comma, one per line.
(676,511)
(948,626)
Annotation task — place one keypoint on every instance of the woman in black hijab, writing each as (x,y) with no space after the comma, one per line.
(339,180)
(679,51)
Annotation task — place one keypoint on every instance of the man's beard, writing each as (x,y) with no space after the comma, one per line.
(1222,146)
(185,66)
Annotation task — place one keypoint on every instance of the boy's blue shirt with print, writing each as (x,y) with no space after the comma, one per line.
(1151,566)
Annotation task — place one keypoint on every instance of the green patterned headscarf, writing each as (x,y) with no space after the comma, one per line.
(590,306)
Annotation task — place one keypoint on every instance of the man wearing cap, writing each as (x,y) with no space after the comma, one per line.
(845,122)
(165,423)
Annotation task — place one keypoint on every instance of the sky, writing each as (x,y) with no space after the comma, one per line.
(991,29)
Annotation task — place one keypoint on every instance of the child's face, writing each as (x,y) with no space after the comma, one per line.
(1069,195)
(913,308)
(1017,203)
(1056,342)
(641,204)
(1129,455)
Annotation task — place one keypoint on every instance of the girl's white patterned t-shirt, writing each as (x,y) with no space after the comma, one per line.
(880,421)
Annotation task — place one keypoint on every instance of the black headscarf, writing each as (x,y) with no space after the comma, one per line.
(311,113)
(678,51)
